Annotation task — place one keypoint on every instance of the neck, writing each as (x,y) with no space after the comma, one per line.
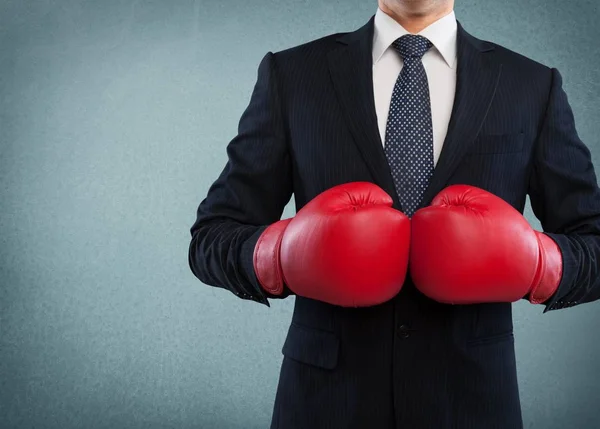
(414,16)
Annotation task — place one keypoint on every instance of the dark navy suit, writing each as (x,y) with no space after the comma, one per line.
(410,363)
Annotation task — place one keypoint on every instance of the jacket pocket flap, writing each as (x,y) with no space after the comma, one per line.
(311,346)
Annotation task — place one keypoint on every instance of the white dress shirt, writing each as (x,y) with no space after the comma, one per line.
(439,63)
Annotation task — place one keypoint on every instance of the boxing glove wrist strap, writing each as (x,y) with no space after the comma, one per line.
(550,270)
(266,258)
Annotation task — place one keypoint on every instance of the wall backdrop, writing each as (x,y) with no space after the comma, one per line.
(114,117)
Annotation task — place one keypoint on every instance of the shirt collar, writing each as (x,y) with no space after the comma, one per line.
(442,33)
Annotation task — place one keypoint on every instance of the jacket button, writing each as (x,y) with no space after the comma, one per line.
(403,331)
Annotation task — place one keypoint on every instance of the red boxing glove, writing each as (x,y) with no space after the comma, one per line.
(347,247)
(470,246)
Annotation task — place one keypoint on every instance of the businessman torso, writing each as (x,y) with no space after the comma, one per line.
(311,124)
(410,362)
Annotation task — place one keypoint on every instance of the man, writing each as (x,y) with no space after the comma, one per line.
(410,147)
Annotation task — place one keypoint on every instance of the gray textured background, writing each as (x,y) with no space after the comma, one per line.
(114,117)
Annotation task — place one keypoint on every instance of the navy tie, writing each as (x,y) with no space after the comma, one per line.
(409,132)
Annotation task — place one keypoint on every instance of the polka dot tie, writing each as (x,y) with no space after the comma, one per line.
(409,133)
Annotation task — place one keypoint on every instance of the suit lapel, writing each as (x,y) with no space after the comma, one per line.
(351,68)
(478,73)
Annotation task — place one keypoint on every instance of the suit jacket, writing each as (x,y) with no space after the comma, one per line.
(410,362)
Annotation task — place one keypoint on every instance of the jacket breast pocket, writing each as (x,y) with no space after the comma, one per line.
(498,143)
(311,346)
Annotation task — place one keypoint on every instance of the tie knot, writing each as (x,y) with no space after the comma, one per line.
(412,45)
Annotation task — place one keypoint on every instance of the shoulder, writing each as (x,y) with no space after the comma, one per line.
(519,61)
(517,68)
(303,63)
(308,52)
(516,62)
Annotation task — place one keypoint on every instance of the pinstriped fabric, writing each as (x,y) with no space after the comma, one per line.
(408,363)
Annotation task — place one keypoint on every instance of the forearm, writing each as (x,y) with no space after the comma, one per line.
(580,282)
(220,255)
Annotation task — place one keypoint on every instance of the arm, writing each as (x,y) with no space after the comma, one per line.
(565,198)
(250,194)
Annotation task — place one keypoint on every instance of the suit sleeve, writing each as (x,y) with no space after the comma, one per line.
(565,198)
(250,193)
